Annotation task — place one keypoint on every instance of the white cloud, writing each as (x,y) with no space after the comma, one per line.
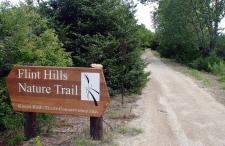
(222,25)
(144,14)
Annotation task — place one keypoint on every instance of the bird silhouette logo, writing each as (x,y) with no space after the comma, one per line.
(90,87)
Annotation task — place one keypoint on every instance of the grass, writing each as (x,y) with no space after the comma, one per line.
(85,140)
(197,75)
(222,78)
(194,73)
(206,82)
(223,85)
(113,114)
(120,114)
(122,129)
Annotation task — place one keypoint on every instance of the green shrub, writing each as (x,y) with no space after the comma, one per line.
(222,78)
(204,63)
(25,39)
(200,63)
(218,68)
(15,137)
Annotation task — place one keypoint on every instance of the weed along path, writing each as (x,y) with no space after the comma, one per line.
(175,111)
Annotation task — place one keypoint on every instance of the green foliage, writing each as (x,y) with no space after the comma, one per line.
(220,50)
(25,39)
(204,63)
(218,68)
(188,30)
(145,36)
(136,73)
(175,35)
(9,120)
(37,141)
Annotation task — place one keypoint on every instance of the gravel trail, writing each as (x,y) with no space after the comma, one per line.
(175,111)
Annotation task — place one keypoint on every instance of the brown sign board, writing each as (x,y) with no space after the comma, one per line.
(60,90)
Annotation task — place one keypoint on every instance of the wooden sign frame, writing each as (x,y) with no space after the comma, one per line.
(76,91)
(57,90)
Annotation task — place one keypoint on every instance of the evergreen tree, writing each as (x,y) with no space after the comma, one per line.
(101,32)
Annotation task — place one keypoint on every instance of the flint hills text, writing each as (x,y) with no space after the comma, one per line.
(45,74)
(45,88)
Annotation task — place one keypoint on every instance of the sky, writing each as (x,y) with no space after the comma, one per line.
(143,14)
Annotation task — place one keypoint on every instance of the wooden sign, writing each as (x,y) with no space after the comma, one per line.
(59,90)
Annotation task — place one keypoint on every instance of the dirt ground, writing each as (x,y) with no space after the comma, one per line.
(175,111)
(74,131)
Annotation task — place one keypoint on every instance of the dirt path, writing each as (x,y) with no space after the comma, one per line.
(174,111)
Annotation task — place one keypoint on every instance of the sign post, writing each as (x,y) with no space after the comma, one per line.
(75,91)
(96,128)
(30,127)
